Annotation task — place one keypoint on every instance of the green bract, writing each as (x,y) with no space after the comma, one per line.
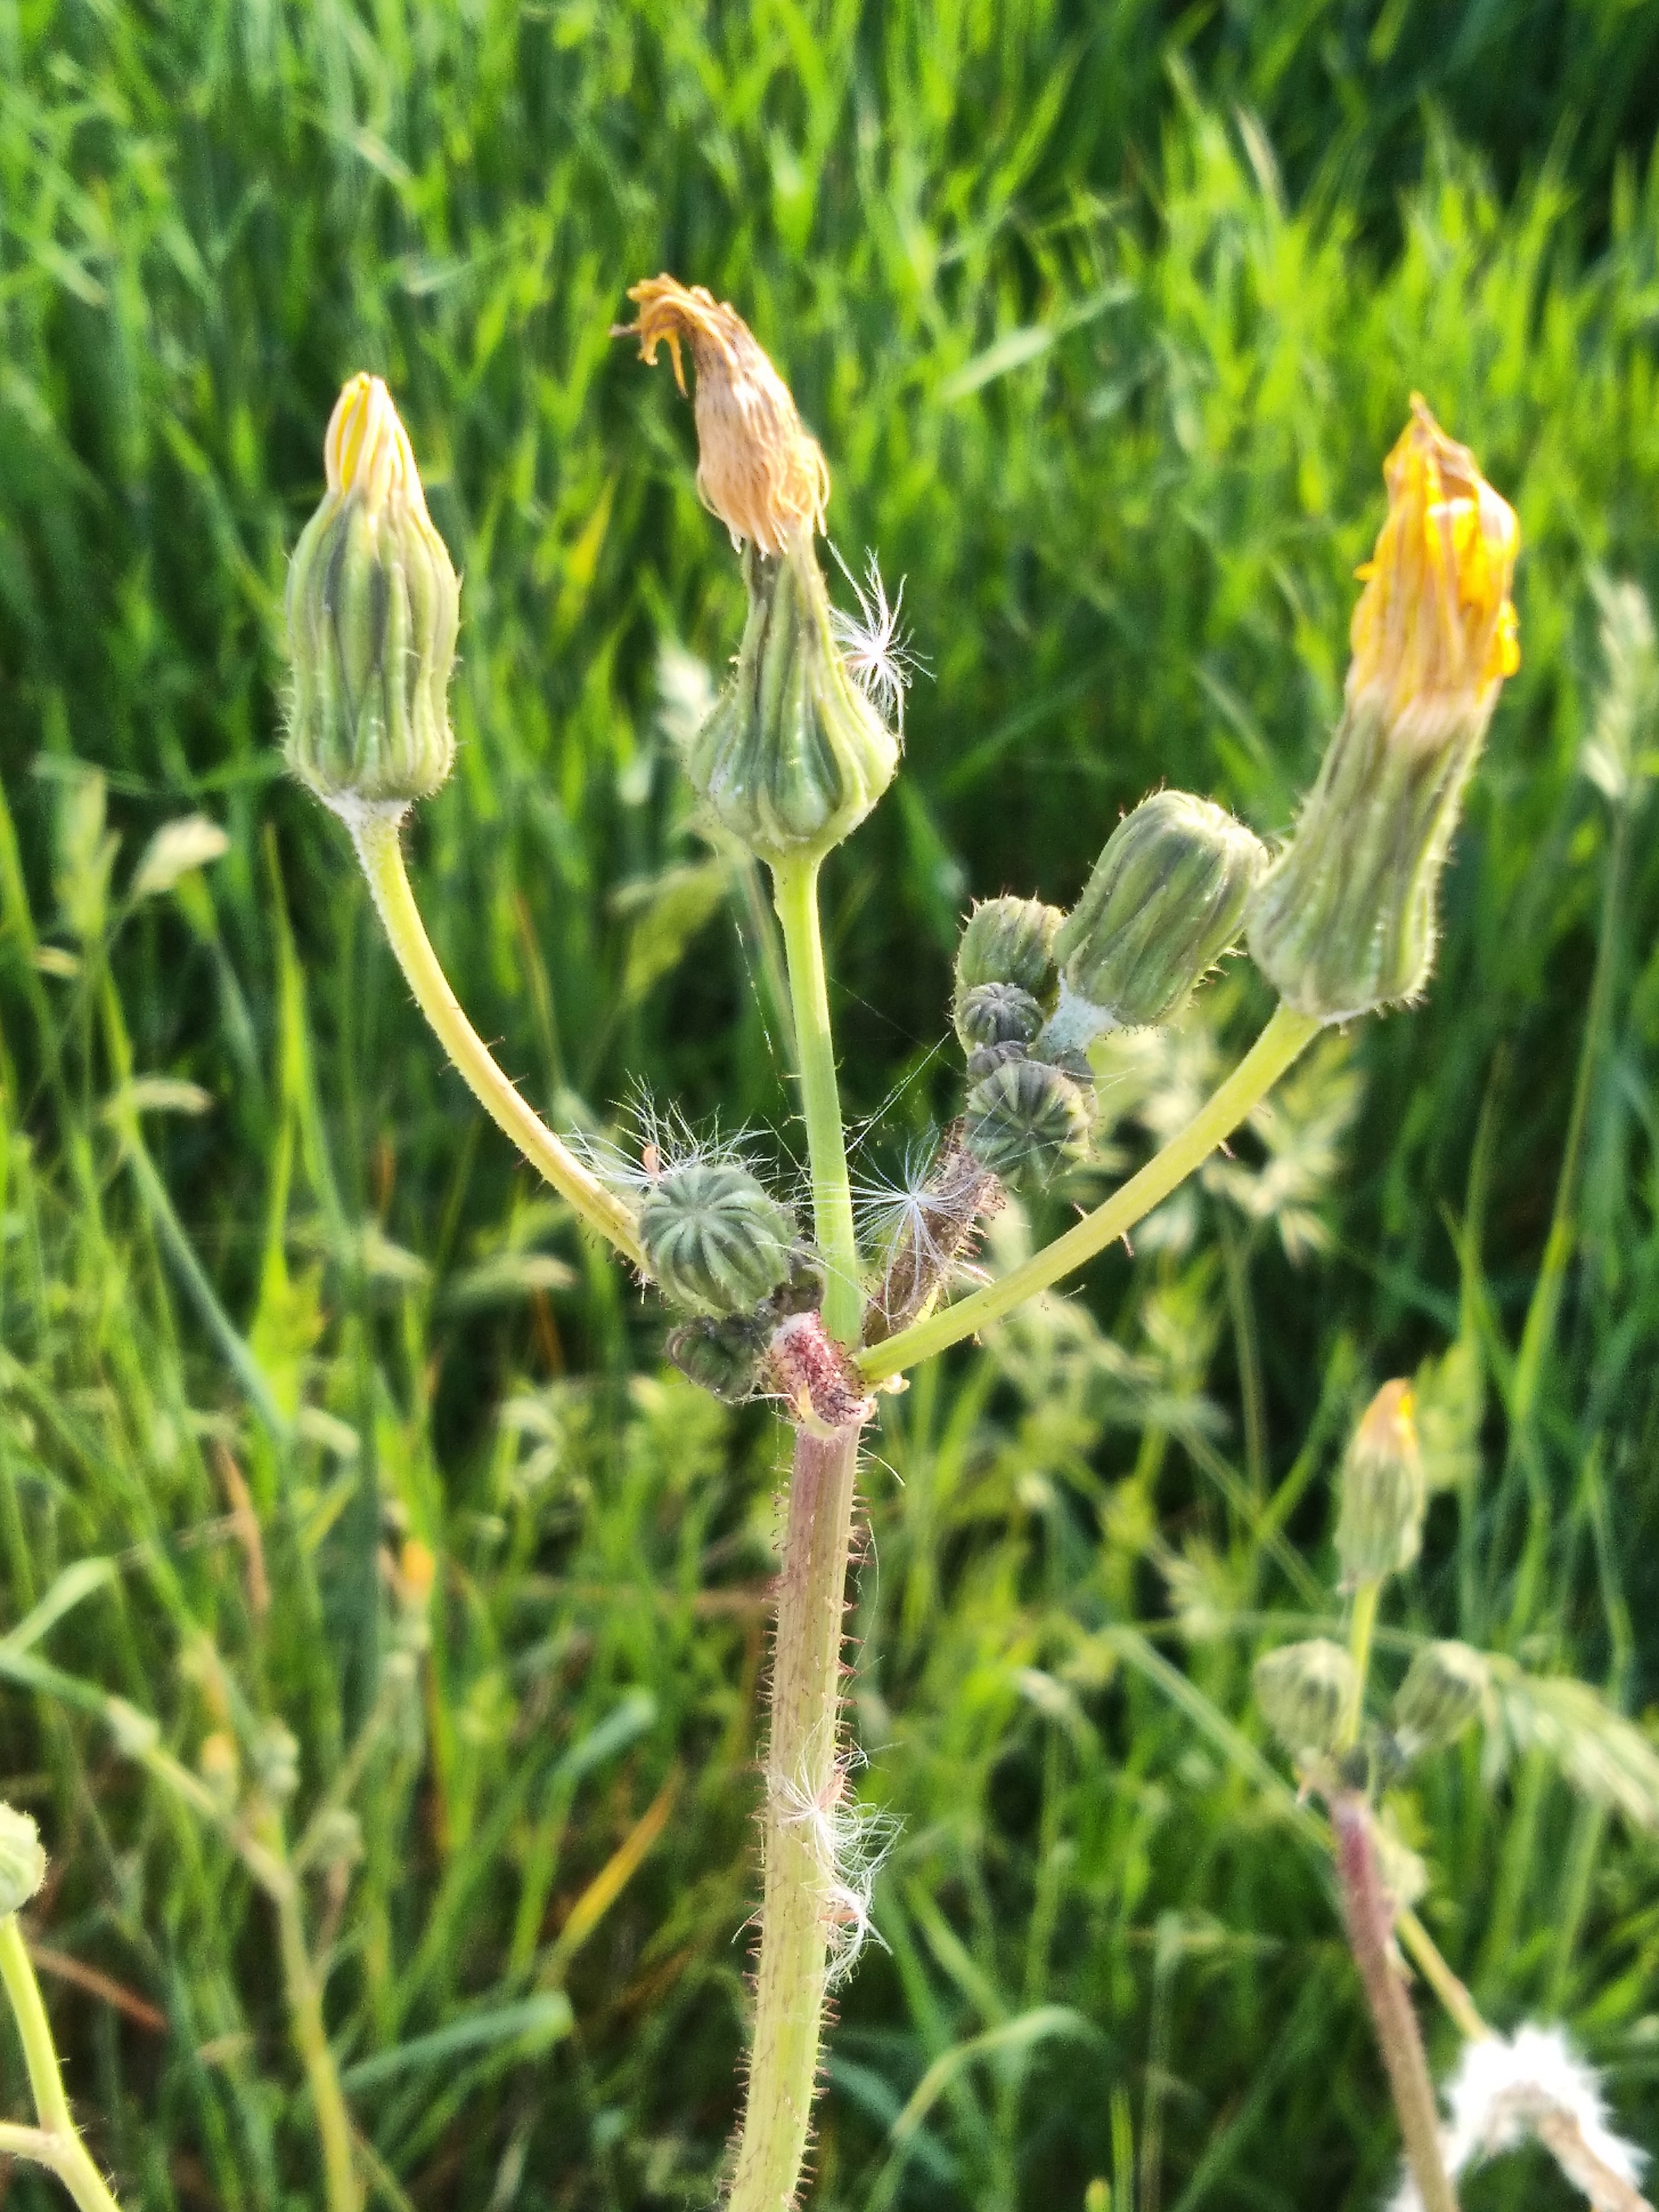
(718,1243)
(1304,1690)
(22,1861)
(1026,1118)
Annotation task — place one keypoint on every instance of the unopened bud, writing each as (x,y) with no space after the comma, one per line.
(1009,940)
(997,1013)
(723,1356)
(22,1861)
(794,755)
(1444,1690)
(717,1241)
(1304,1691)
(275,1759)
(1026,1119)
(1167,898)
(373,609)
(1379,1529)
(1345,921)
(219,1768)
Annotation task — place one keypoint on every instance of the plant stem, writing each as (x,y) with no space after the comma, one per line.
(374,831)
(795,888)
(1367,1916)
(305,2004)
(57,2144)
(1431,1964)
(801,1784)
(1286,1037)
(1361,1625)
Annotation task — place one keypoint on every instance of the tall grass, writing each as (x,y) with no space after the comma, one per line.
(1111,392)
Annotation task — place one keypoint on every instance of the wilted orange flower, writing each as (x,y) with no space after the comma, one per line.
(758,469)
(366,449)
(1435,625)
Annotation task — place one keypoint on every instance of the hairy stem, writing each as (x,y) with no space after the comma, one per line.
(1361,1626)
(1366,1915)
(1285,1036)
(55,2143)
(795,887)
(801,1775)
(375,833)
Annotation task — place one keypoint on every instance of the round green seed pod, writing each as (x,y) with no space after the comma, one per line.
(997,1013)
(985,1059)
(717,1241)
(723,1356)
(1166,899)
(1444,1690)
(373,608)
(22,1861)
(1379,1529)
(1304,1690)
(1009,940)
(1026,1118)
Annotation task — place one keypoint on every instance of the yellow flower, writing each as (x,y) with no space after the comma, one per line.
(366,448)
(758,469)
(1435,626)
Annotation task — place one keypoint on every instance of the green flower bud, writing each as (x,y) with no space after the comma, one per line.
(716,1241)
(274,1756)
(1379,1529)
(1304,1691)
(794,755)
(373,608)
(997,1013)
(1009,940)
(1444,1690)
(22,1861)
(721,1356)
(1026,1118)
(1166,900)
(1345,921)
(985,1059)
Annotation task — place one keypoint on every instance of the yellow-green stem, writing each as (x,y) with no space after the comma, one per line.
(1362,1625)
(1459,2004)
(795,888)
(376,834)
(305,2004)
(59,2145)
(1285,1036)
(801,1779)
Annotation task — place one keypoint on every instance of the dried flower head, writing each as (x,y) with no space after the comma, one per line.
(1435,625)
(758,469)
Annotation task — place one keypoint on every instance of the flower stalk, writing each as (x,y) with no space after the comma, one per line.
(54,2143)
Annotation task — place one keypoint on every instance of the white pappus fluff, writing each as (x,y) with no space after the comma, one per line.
(876,644)
(1506,2089)
(849,1843)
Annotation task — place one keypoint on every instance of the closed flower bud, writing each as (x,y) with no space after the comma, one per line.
(717,1241)
(1346,920)
(997,1013)
(1379,1529)
(985,1059)
(373,608)
(1009,941)
(794,755)
(22,1861)
(1444,1690)
(721,1356)
(275,1754)
(1026,1119)
(1166,900)
(1304,1692)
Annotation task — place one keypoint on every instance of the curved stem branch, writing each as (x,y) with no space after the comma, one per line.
(795,886)
(375,834)
(55,2142)
(1286,1037)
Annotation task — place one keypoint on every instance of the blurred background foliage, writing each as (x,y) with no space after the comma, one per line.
(327,1449)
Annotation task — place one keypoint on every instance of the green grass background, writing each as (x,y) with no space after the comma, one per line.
(1105,317)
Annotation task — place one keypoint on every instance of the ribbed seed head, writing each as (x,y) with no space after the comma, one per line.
(1379,1528)
(1345,921)
(723,1357)
(1009,940)
(997,1013)
(717,1241)
(373,608)
(1304,1690)
(22,1861)
(1026,1120)
(1444,1690)
(1167,898)
(794,755)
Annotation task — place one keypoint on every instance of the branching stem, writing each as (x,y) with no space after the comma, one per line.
(795,887)
(54,2143)
(1285,1036)
(376,834)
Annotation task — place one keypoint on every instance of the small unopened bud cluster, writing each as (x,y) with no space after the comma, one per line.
(1028,1115)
